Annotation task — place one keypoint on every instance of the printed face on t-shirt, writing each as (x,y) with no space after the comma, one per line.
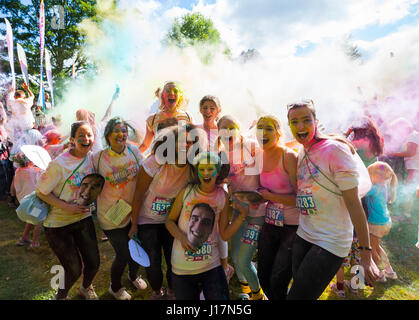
(200,225)
(90,189)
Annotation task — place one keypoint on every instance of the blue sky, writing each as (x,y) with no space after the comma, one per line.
(292,27)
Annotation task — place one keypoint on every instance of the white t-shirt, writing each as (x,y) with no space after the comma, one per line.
(120,172)
(22,116)
(208,256)
(53,179)
(412,163)
(167,182)
(324,218)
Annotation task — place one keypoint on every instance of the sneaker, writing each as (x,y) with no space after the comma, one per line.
(381,278)
(390,275)
(121,294)
(244,296)
(157,295)
(34,245)
(259,295)
(22,242)
(348,285)
(88,293)
(139,283)
(339,293)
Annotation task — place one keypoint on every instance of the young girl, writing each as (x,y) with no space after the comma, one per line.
(172,104)
(24,183)
(329,204)
(279,182)
(240,153)
(198,215)
(379,220)
(158,184)
(119,164)
(69,226)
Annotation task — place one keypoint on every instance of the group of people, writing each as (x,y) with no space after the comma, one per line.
(292,214)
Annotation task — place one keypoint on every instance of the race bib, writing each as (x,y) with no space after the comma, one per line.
(200,255)
(275,215)
(305,203)
(161,206)
(251,235)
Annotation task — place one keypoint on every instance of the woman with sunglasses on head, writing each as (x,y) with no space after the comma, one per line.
(172,105)
(329,204)
(69,226)
(279,188)
(119,163)
(159,181)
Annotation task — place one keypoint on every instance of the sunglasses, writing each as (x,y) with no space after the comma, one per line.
(304,102)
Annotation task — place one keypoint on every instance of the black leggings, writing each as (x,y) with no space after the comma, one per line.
(76,248)
(212,283)
(313,268)
(119,240)
(154,238)
(274,259)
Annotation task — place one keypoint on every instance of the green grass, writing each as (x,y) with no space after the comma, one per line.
(25,272)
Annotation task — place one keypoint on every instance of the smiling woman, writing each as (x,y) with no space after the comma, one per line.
(69,226)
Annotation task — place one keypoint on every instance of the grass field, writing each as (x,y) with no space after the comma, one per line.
(25,272)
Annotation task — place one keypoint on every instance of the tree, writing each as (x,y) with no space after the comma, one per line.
(350,49)
(194,29)
(62,37)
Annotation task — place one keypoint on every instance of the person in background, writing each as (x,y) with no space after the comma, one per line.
(24,183)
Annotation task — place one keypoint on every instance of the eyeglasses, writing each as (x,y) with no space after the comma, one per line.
(301,103)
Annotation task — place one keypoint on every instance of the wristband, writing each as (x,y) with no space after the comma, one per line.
(365,248)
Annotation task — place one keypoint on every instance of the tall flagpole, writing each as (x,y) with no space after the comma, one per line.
(42,46)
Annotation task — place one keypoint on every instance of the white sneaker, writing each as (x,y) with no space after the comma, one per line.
(390,275)
(139,283)
(88,293)
(121,294)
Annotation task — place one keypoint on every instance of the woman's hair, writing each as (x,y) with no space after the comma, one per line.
(223,168)
(77,125)
(181,98)
(21,159)
(368,129)
(19,94)
(210,98)
(112,123)
(319,135)
(52,136)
